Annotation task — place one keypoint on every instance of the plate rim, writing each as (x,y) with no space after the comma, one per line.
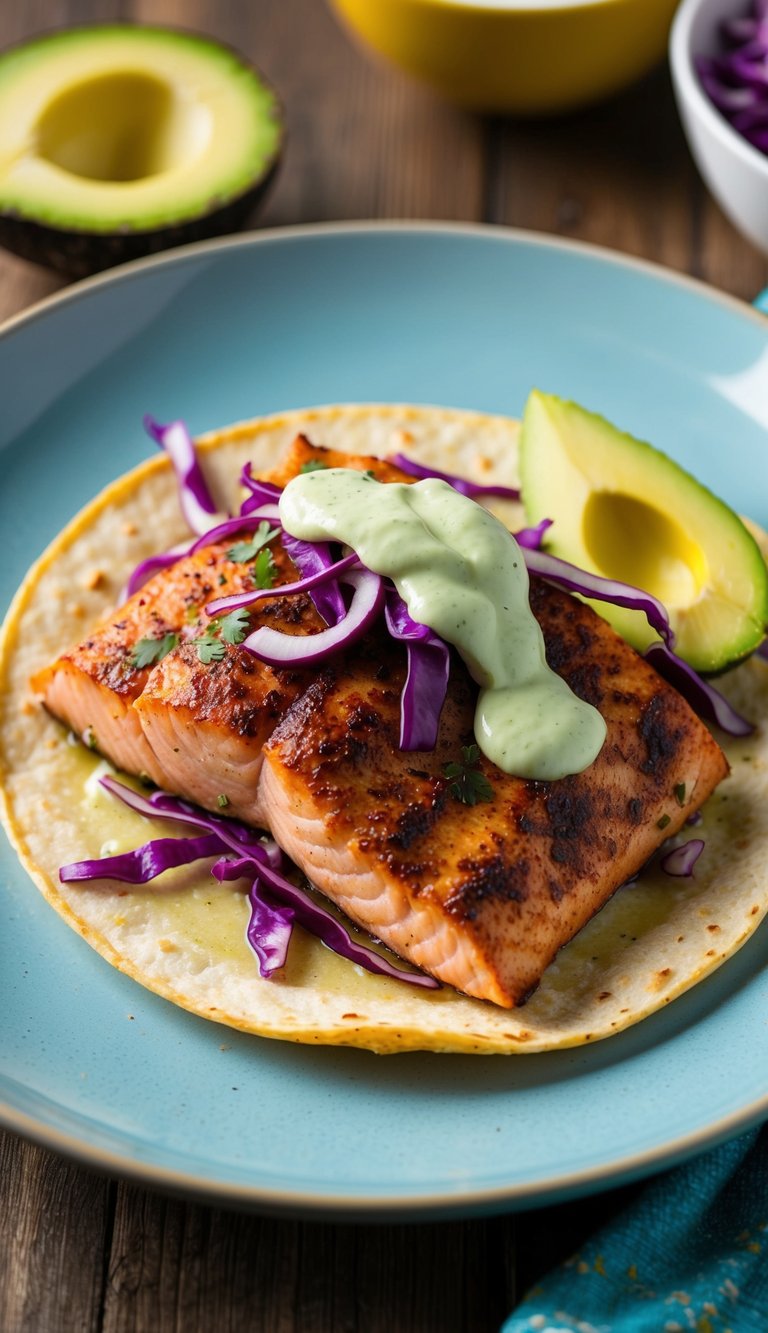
(287,1203)
(292,1202)
(75,291)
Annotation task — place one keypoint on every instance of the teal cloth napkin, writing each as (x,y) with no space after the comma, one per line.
(688,1255)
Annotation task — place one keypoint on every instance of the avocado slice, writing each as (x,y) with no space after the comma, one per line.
(625,510)
(119,140)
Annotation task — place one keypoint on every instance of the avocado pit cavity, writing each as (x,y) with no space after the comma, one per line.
(629,539)
(124,127)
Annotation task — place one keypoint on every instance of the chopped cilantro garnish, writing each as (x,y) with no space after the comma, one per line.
(222,801)
(242,552)
(468,784)
(192,614)
(662,823)
(149,651)
(680,794)
(209,648)
(234,627)
(264,570)
(313,465)
(222,580)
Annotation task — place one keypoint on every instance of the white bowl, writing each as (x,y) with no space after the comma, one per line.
(736,173)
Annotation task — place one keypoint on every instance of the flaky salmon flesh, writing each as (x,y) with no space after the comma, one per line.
(480,896)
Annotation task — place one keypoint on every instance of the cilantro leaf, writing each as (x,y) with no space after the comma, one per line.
(209,648)
(468,784)
(234,627)
(242,552)
(149,651)
(313,465)
(264,570)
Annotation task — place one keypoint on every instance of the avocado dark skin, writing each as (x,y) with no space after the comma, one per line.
(77,254)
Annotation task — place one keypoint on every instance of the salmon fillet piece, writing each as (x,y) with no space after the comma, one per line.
(92,688)
(207,724)
(192,728)
(482,896)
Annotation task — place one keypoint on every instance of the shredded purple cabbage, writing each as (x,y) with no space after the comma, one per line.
(161,805)
(312,558)
(471,488)
(582,581)
(262,492)
(736,79)
(703,697)
(231,526)
(146,862)
(241,599)
(256,859)
(197,504)
(278,649)
(269,929)
(681,860)
(531,538)
(147,568)
(426,684)
(320,921)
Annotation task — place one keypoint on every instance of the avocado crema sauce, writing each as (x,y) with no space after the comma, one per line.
(462,573)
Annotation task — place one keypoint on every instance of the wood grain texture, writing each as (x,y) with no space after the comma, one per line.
(78,1252)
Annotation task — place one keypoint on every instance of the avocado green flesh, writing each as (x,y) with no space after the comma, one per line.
(624,510)
(117,127)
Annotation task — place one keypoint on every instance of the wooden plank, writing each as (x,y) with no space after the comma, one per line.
(620,175)
(183,1266)
(54,1221)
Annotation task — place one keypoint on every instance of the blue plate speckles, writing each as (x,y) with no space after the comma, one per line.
(95,1066)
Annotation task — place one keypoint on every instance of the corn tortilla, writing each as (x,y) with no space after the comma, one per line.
(185,938)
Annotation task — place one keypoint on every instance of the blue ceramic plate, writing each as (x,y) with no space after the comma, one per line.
(96,1067)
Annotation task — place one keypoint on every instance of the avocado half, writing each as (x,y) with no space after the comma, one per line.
(118,141)
(624,510)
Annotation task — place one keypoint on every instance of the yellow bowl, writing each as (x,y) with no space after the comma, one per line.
(523,56)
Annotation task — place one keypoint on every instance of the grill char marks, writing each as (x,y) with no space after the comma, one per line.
(484,896)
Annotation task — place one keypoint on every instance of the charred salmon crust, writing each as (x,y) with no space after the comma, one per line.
(484,896)
(190,726)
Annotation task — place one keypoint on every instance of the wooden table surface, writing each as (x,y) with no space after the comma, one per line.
(82,1252)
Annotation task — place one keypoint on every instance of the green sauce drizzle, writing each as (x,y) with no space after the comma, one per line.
(462,573)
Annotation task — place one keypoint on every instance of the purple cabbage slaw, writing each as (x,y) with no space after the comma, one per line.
(275,901)
(705,700)
(473,489)
(736,79)
(146,862)
(197,503)
(681,860)
(426,682)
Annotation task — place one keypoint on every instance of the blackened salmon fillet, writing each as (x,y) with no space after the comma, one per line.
(482,896)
